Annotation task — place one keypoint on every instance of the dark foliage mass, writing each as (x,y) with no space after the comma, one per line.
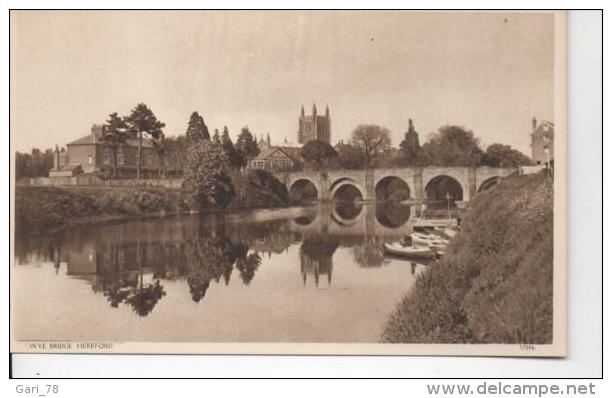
(318,154)
(495,283)
(498,155)
(34,164)
(45,209)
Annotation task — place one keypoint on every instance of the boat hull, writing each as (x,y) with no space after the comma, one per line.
(410,251)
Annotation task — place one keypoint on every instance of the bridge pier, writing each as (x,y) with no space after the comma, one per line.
(417,181)
(324,193)
(370,190)
(471,182)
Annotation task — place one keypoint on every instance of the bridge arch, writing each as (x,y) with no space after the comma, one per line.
(347,190)
(392,188)
(439,186)
(347,214)
(340,181)
(304,188)
(488,184)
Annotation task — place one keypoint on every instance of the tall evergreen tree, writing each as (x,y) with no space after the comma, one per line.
(247,144)
(115,133)
(234,156)
(196,128)
(143,120)
(216,138)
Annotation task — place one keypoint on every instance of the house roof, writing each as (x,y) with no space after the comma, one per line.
(88,139)
(289,152)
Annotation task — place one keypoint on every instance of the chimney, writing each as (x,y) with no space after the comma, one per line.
(534,123)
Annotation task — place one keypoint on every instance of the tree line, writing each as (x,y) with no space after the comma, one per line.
(34,164)
(370,147)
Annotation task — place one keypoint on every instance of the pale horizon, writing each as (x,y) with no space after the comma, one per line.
(70,70)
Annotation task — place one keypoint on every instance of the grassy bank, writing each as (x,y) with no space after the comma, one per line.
(48,209)
(495,283)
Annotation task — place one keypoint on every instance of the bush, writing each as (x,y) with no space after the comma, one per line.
(43,209)
(264,180)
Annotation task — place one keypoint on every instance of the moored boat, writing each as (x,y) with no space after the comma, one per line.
(427,239)
(410,251)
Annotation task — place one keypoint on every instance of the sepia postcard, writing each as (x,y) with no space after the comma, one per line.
(289,182)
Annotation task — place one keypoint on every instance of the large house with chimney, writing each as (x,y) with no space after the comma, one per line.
(94,155)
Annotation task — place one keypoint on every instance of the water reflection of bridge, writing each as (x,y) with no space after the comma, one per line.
(382,219)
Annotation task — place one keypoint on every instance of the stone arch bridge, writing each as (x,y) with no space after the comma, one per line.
(417,181)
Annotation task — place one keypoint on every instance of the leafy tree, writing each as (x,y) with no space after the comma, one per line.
(371,140)
(115,133)
(453,146)
(143,120)
(246,144)
(499,155)
(350,157)
(266,181)
(318,153)
(196,128)
(410,152)
(207,172)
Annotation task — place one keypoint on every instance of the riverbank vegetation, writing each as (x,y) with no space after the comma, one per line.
(48,209)
(494,284)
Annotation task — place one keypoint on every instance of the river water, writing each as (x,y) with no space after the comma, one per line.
(308,274)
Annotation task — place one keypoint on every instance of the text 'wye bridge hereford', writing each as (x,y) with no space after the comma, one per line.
(417,183)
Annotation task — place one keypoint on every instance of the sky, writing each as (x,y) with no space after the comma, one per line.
(489,72)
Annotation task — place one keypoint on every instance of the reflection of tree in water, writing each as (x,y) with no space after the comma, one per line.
(119,286)
(370,253)
(145,297)
(129,264)
(210,258)
(247,265)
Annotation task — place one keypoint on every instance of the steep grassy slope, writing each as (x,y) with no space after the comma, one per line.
(495,283)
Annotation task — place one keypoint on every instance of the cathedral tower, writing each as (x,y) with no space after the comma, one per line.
(314,126)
